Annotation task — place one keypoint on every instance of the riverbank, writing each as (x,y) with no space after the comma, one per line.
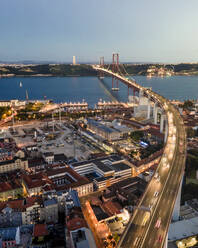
(69,70)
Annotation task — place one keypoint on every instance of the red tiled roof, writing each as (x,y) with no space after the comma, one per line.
(6,186)
(76,223)
(42,179)
(37,180)
(22,204)
(111,208)
(66,169)
(40,230)
(149,159)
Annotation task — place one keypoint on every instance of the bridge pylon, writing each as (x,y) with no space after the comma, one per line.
(115,69)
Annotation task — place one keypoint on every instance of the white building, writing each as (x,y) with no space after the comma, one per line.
(74,60)
(48,157)
(12,103)
(82,238)
(104,171)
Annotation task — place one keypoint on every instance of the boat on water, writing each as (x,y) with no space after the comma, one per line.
(115,89)
(20,84)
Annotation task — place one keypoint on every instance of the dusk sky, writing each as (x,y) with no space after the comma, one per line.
(141,30)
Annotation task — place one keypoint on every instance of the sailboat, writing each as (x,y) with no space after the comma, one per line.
(20,84)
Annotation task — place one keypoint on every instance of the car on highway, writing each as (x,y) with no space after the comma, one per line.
(146,218)
(150,206)
(156,194)
(159,240)
(137,241)
(156,175)
(158,223)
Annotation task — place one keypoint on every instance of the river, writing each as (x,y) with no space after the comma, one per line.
(91,89)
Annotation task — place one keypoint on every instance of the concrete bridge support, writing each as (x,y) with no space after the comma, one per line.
(176,211)
(154,109)
(149,110)
(166,242)
(162,123)
(155,114)
(141,93)
(166,131)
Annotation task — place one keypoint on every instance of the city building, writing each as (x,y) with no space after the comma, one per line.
(71,200)
(183,231)
(76,228)
(104,171)
(65,178)
(129,189)
(40,236)
(19,161)
(36,184)
(12,103)
(58,178)
(9,217)
(8,144)
(82,238)
(37,163)
(10,237)
(75,106)
(49,212)
(10,189)
(48,157)
(74,60)
(66,200)
(29,210)
(102,130)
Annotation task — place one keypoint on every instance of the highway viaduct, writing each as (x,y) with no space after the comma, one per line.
(162,197)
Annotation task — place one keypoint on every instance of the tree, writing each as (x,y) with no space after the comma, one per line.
(188,104)
(137,135)
(190,132)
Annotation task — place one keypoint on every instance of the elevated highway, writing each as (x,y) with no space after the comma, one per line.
(150,231)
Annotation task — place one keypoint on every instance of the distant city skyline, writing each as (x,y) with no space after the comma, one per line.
(140,31)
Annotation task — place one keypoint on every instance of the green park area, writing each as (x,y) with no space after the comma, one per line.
(5,112)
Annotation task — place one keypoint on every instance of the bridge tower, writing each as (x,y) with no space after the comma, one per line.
(101,73)
(115,69)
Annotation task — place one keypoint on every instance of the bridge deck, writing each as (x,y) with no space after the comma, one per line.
(148,235)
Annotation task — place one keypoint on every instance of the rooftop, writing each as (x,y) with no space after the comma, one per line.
(112,208)
(8,234)
(120,166)
(50,202)
(103,167)
(76,223)
(101,179)
(40,230)
(183,229)
(99,213)
(73,195)
(83,238)
(22,204)
(48,154)
(112,158)
(60,157)
(10,185)
(36,180)
(102,126)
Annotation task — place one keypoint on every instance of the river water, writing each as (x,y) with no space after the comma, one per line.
(91,89)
